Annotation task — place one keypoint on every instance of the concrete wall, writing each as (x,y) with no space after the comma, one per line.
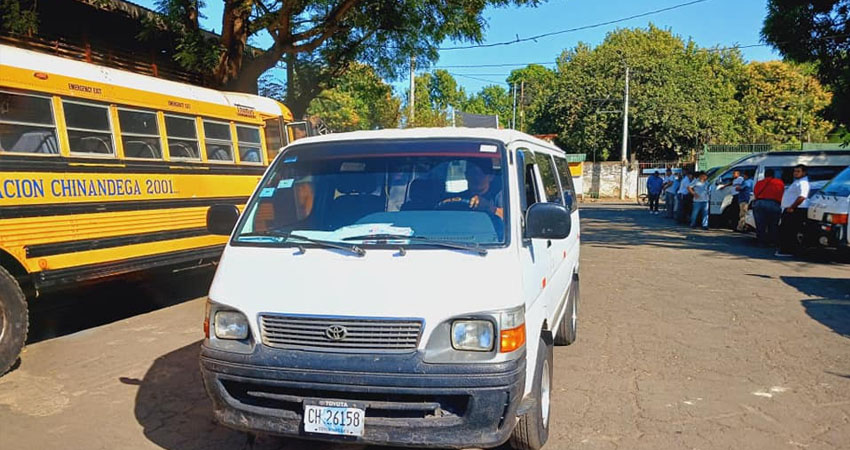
(602,180)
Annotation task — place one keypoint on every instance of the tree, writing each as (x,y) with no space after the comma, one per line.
(360,101)
(18,17)
(534,83)
(436,94)
(680,96)
(782,103)
(332,33)
(491,100)
(815,31)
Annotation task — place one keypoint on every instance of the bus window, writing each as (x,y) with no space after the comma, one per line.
(274,138)
(26,124)
(89,130)
(248,139)
(139,134)
(219,146)
(182,137)
(298,130)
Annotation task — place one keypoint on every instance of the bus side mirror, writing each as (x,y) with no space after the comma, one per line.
(547,221)
(221,219)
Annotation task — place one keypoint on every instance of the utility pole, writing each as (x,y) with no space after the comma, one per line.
(623,150)
(412,89)
(513,120)
(521,105)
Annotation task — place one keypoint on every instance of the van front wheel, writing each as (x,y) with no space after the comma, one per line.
(13,320)
(532,428)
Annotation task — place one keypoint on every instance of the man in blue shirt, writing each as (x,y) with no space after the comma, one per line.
(745,192)
(654,186)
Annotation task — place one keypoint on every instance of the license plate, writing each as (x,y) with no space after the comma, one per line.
(329,417)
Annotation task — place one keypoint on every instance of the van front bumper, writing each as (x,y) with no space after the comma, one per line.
(407,402)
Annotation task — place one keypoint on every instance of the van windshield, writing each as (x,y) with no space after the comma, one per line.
(377,192)
(838,186)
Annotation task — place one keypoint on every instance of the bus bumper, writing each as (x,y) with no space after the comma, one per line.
(407,402)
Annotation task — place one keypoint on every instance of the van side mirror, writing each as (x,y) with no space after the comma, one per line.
(547,221)
(221,219)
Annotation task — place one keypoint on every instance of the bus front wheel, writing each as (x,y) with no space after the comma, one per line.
(13,320)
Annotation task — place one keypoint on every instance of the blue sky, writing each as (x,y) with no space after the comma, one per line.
(713,22)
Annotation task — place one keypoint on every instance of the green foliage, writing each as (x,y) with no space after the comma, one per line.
(815,31)
(491,100)
(178,20)
(18,17)
(436,93)
(781,103)
(360,101)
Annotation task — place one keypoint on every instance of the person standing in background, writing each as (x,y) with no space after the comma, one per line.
(699,190)
(768,196)
(795,197)
(745,191)
(654,186)
(684,212)
(671,186)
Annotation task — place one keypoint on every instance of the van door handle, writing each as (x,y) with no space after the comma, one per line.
(548,243)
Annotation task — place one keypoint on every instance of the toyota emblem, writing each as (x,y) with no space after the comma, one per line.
(336,332)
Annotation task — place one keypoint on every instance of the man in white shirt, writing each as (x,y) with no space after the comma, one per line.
(796,195)
(671,185)
(682,213)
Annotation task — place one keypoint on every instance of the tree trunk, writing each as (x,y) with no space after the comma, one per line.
(234,38)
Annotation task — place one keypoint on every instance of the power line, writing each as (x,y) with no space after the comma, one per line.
(476,79)
(571,30)
(471,66)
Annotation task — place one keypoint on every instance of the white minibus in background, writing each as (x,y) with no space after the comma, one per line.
(829,208)
(822,166)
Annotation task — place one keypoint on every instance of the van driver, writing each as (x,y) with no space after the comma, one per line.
(481,194)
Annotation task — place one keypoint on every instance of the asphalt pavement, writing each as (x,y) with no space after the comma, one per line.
(687,339)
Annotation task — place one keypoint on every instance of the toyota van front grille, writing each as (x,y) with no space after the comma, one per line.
(340,334)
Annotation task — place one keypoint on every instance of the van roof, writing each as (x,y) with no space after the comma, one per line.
(504,136)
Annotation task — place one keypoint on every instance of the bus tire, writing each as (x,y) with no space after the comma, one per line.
(532,428)
(14,320)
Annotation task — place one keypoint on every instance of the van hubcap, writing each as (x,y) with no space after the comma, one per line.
(544,394)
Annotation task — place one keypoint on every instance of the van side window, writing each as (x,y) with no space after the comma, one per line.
(26,124)
(550,178)
(525,166)
(89,129)
(726,178)
(567,186)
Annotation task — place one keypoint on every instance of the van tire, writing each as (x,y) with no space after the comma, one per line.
(532,428)
(567,329)
(14,320)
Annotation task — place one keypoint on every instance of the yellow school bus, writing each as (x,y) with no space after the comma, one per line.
(105,172)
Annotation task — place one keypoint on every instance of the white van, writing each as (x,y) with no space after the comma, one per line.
(822,166)
(826,221)
(399,287)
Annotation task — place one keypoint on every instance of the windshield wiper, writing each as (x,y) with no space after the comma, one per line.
(286,236)
(392,237)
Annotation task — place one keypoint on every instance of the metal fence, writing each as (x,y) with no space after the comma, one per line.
(646,169)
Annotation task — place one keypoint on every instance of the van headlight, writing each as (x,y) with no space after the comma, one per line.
(230,325)
(473,335)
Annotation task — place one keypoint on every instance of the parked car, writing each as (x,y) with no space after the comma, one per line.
(822,166)
(399,287)
(829,208)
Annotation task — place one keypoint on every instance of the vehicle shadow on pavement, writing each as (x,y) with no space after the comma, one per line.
(67,312)
(625,226)
(831,305)
(173,409)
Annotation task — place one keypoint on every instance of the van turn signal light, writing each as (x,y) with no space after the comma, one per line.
(512,339)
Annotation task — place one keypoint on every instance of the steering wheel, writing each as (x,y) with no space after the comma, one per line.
(454,204)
